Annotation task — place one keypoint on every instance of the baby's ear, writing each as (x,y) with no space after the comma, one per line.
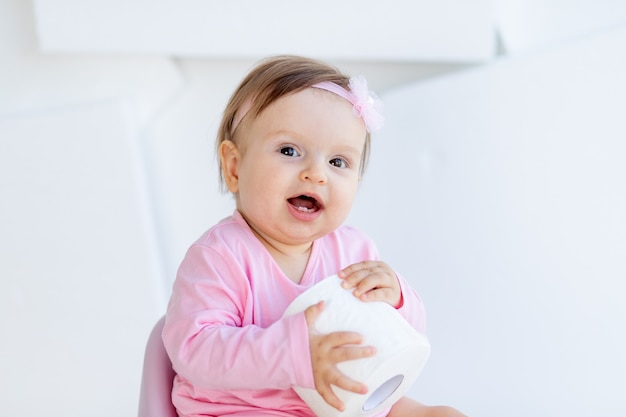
(230,156)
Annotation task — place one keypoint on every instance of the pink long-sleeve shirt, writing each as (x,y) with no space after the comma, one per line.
(232,351)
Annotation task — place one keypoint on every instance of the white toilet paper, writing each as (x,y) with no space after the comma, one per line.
(401,350)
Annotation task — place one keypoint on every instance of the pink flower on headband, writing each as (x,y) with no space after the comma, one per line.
(366,104)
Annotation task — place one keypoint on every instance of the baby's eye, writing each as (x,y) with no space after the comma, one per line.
(289,151)
(338,162)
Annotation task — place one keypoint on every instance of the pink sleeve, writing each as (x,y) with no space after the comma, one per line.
(210,337)
(412,308)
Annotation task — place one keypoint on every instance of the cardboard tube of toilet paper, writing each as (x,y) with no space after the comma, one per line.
(401,350)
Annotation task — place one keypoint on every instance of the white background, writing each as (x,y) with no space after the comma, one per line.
(497,186)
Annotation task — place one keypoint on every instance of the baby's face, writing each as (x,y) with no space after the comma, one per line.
(298,173)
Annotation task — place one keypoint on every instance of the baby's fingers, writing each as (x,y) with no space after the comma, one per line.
(341,381)
(359,266)
(349,351)
(330,397)
(343,338)
(349,384)
(354,273)
(336,347)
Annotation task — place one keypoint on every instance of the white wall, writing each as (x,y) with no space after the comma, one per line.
(506,189)
(496,187)
(447,30)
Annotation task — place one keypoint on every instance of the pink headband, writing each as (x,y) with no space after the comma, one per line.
(366,104)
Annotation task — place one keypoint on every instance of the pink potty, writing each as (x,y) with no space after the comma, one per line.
(155,398)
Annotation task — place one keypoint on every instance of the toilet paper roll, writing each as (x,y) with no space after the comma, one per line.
(401,350)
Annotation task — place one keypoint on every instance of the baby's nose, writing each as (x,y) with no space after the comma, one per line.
(314,173)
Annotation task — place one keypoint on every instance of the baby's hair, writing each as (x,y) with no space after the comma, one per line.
(271,79)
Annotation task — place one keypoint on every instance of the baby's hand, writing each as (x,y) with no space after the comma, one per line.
(329,349)
(372,281)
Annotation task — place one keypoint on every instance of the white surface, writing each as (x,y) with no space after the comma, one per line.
(499,193)
(446,30)
(32,81)
(78,274)
(529,25)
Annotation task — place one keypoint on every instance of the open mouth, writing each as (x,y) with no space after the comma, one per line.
(305,203)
